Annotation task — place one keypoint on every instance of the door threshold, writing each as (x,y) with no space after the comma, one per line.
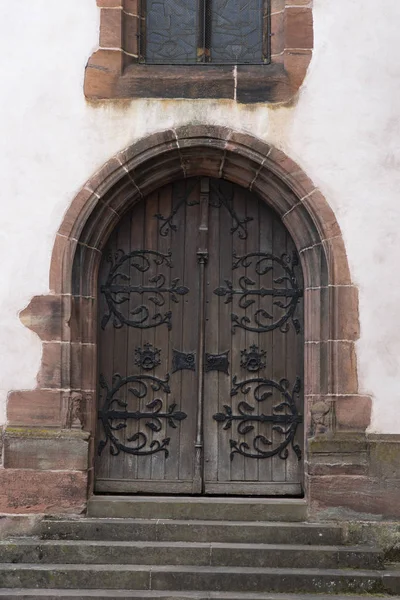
(198,508)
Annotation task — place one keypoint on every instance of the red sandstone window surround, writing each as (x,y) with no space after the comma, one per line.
(117,69)
(221,32)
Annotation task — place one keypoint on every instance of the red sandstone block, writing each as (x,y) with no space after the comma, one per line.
(110,28)
(51,492)
(55,451)
(34,408)
(358,493)
(353,412)
(299,27)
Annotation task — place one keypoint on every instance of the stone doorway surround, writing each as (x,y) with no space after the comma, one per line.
(48,442)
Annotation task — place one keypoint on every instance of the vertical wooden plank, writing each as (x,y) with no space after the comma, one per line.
(279,345)
(150,243)
(252,338)
(213,346)
(294,368)
(105,357)
(238,338)
(300,436)
(190,312)
(176,244)
(120,351)
(265,339)
(162,337)
(148,335)
(202,259)
(225,333)
(136,219)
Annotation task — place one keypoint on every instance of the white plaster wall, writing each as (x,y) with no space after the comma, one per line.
(344,132)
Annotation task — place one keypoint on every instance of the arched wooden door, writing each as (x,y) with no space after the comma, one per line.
(200,347)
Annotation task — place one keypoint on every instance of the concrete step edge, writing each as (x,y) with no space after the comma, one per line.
(215,508)
(20,542)
(359,573)
(106,499)
(170,595)
(193,522)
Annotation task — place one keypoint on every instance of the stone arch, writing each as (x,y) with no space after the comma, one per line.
(66,318)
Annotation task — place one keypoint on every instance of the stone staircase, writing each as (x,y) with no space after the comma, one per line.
(191,548)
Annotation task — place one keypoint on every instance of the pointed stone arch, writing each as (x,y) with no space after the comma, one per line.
(66,318)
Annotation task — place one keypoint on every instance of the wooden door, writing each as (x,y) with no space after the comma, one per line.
(200,347)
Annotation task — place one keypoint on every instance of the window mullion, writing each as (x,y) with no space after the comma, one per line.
(203,47)
(266,32)
(207,29)
(142,31)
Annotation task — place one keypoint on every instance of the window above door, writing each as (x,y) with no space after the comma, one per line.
(205,32)
(244,50)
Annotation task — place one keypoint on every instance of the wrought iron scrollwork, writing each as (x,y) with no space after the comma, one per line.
(252,359)
(284,418)
(118,289)
(114,415)
(168,222)
(147,357)
(222,196)
(262,320)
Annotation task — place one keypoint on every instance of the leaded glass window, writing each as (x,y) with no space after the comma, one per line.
(206,31)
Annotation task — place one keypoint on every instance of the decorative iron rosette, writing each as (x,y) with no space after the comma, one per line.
(148,357)
(252,359)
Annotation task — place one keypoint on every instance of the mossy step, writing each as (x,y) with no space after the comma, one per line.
(174,530)
(189,578)
(53,594)
(189,553)
(190,507)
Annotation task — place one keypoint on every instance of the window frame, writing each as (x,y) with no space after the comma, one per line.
(114,71)
(202,36)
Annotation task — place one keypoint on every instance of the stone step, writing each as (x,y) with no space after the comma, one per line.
(191,531)
(203,508)
(182,578)
(189,553)
(54,594)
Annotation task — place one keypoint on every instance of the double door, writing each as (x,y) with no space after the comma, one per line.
(200,347)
